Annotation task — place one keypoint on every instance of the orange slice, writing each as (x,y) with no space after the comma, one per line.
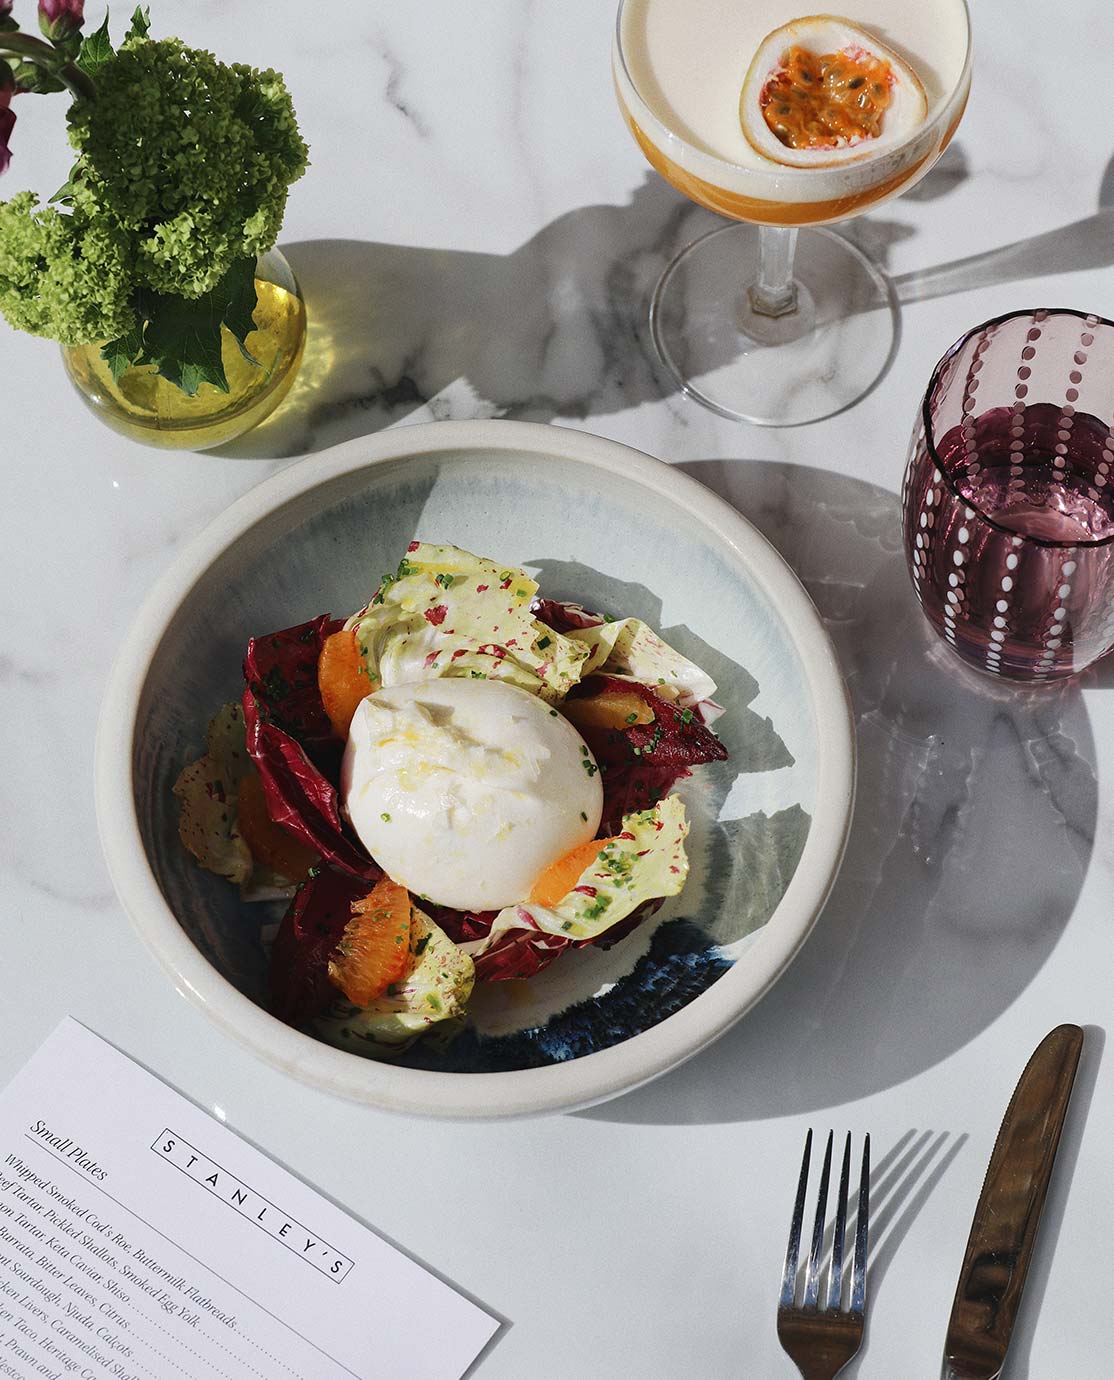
(608,709)
(560,877)
(342,679)
(270,843)
(374,950)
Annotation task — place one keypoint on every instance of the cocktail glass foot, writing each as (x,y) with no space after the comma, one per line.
(774,326)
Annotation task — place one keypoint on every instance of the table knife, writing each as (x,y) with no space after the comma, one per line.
(1000,1246)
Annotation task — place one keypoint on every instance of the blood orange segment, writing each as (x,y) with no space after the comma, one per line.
(342,679)
(609,709)
(270,843)
(374,950)
(298,983)
(560,877)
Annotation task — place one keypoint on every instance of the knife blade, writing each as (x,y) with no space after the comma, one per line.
(1008,1213)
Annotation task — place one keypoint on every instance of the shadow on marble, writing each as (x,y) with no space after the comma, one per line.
(556,328)
(900,1187)
(1044,1252)
(1083,244)
(973,828)
(1100,676)
(901,1182)
(952,169)
(878,236)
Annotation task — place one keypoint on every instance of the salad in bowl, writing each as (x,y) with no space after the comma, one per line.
(450,788)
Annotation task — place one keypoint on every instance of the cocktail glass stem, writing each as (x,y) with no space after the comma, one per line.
(774,291)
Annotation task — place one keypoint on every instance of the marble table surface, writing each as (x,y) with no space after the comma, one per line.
(476,237)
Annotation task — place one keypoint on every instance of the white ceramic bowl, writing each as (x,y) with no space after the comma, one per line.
(599,523)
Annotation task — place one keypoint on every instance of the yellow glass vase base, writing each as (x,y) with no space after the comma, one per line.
(148,409)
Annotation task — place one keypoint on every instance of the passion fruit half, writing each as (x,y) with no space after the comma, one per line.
(822,91)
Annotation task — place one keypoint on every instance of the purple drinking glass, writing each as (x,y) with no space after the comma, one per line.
(1008,500)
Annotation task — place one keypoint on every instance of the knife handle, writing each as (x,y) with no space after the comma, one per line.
(1000,1246)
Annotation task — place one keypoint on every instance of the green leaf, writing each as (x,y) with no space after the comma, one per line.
(35,77)
(141,23)
(70,45)
(236,291)
(95,50)
(182,340)
(121,354)
(64,195)
(182,336)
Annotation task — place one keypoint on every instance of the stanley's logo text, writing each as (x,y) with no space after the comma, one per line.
(252,1206)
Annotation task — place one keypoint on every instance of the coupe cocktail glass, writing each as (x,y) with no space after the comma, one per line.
(1008,502)
(763,320)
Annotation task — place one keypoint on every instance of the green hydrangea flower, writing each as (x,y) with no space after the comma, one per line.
(147,165)
(180,183)
(62,278)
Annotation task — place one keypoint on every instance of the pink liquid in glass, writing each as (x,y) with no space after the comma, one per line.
(1005,545)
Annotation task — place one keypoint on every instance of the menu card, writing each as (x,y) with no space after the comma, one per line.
(140,1239)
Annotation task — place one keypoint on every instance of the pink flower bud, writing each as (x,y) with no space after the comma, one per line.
(59,19)
(7,123)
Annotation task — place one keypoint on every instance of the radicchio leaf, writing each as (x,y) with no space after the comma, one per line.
(291,741)
(461,926)
(632,786)
(281,672)
(564,617)
(641,763)
(299,796)
(521,953)
(518,954)
(298,986)
(676,738)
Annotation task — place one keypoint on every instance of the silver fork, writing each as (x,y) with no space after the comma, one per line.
(822,1340)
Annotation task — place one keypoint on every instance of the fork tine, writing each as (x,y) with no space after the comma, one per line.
(812,1274)
(858,1275)
(835,1280)
(789,1278)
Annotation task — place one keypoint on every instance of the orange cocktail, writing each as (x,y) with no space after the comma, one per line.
(778,120)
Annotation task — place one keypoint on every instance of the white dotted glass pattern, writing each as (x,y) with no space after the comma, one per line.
(1007,500)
